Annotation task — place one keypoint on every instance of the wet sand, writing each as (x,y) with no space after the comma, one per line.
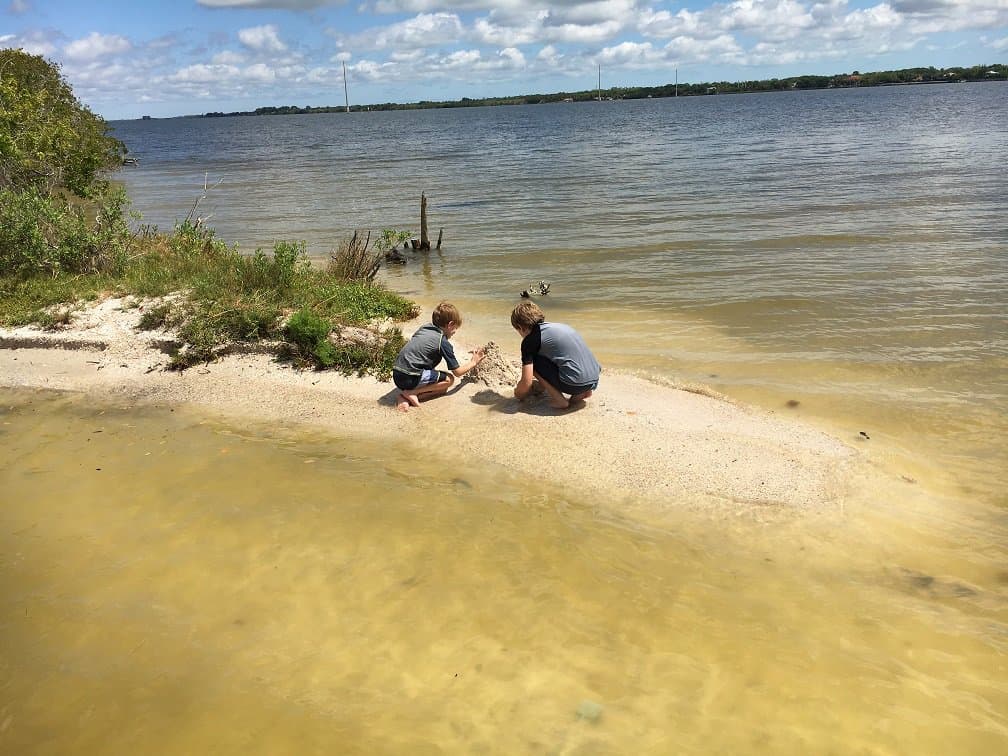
(634,442)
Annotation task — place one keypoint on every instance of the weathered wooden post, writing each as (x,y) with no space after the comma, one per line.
(440,233)
(424,239)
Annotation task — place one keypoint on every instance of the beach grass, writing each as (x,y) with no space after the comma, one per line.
(214,296)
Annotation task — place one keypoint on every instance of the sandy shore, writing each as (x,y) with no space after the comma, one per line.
(635,441)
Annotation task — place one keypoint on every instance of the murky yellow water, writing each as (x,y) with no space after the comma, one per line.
(173,585)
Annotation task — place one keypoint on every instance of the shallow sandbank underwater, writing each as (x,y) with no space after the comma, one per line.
(645,443)
(177,584)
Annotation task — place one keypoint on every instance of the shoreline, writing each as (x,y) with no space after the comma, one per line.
(635,443)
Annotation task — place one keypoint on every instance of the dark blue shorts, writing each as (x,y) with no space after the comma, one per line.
(406,382)
(549,372)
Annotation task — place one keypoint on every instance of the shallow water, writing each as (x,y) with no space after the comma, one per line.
(174,584)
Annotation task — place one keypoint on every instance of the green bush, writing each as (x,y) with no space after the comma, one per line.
(48,233)
(376,356)
(309,335)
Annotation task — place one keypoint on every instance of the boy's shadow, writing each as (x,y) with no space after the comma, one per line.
(508,405)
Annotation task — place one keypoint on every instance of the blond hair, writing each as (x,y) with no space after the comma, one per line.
(446,313)
(525,315)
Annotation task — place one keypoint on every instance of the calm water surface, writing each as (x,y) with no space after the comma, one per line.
(170,584)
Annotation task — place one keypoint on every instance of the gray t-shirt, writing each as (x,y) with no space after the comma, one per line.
(564,347)
(424,351)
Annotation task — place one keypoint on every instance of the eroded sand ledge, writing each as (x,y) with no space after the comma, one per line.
(634,440)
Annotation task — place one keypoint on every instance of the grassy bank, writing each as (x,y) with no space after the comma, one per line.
(222,297)
(66,238)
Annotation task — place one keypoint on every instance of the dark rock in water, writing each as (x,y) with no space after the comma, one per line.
(792,403)
(864,435)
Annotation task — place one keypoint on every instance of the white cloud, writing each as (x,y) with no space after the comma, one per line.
(424,30)
(227,57)
(262,38)
(34,43)
(935,16)
(260,72)
(544,26)
(96,45)
(1000,44)
(17,7)
(202,73)
(512,57)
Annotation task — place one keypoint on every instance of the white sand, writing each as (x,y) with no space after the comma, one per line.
(634,441)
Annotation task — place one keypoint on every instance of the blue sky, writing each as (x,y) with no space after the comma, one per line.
(174,57)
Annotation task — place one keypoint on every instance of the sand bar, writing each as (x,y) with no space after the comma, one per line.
(634,441)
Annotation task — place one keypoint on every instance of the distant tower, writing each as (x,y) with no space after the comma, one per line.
(346,94)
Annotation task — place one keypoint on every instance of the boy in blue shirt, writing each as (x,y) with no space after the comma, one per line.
(413,371)
(555,355)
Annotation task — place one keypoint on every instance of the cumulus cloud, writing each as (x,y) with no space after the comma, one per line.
(262,38)
(425,30)
(96,45)
(546,26)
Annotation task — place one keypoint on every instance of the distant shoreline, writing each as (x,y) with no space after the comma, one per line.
(906,76)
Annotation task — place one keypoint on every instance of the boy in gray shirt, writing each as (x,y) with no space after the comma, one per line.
(413,371)
(556,355)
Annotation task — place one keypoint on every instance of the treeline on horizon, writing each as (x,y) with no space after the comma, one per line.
(930,75)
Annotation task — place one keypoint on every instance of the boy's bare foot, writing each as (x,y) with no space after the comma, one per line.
(582,396)
(560,405)
(406,400)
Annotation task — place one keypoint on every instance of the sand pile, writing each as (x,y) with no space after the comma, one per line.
(496,370)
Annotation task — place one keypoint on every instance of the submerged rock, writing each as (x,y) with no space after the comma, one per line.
(589,710)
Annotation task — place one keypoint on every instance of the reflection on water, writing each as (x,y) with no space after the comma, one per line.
(174,585)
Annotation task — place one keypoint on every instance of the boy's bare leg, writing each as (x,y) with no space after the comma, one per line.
(556,399)
(582,396)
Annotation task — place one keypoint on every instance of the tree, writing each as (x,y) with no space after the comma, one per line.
(48,139)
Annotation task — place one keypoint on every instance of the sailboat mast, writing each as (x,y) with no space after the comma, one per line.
(600,82)
(677,81)
(346,94)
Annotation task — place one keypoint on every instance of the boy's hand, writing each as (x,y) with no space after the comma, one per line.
(478,355)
